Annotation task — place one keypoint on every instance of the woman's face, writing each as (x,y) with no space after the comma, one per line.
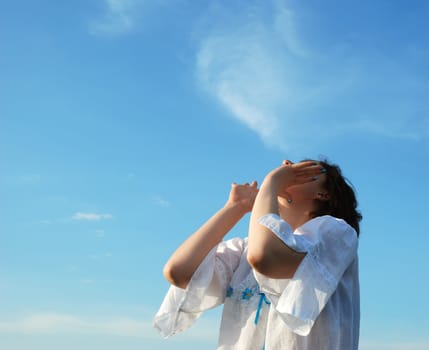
(307,191)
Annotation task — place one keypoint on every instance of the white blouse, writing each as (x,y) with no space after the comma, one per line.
(316,309)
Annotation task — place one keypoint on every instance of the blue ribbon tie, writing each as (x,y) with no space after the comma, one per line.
(262,299)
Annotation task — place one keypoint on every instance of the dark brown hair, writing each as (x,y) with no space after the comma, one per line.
(341,202)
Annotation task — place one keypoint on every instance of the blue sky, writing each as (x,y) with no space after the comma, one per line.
(124,122)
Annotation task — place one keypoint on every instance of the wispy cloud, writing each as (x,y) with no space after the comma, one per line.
(293,89)
(50,323)
(61,323)
(87,281)
(79,216)
(100,256)
(161,201)
(120,17)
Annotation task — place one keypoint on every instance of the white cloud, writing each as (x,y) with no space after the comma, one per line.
(253,68)
(40,323)
(60,323)
(87,281)
(91,216)
(286,26)
(291,91)
(120,17)
(206,329)
(394,130)
(161,201)
(100,256)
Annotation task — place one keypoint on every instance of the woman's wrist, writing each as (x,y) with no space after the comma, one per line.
(237,207)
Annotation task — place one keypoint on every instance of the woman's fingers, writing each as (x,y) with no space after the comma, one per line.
(309,167)
(306,164)
(302,172)
(253,184)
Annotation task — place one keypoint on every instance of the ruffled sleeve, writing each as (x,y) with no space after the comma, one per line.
(206,289)
(331,246)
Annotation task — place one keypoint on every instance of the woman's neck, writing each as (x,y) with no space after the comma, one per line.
(294,216)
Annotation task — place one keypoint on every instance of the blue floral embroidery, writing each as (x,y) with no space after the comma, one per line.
(229,291)
(247,294)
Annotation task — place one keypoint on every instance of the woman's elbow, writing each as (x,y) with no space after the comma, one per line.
(258,262)
(175,276)
(272,267)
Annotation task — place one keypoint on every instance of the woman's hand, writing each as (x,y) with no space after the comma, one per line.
(243,195)
(291,174)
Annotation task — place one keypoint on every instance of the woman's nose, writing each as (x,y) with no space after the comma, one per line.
(287,162)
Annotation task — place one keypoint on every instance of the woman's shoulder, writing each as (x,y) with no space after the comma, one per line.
(327,226)
(329,221)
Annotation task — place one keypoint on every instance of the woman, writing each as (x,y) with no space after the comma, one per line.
(293,284)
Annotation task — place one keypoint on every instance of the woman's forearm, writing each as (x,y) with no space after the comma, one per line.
(260,238)
(266,252)
(186,259)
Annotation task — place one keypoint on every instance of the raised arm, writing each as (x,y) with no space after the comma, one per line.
(266,252)
(186,259)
